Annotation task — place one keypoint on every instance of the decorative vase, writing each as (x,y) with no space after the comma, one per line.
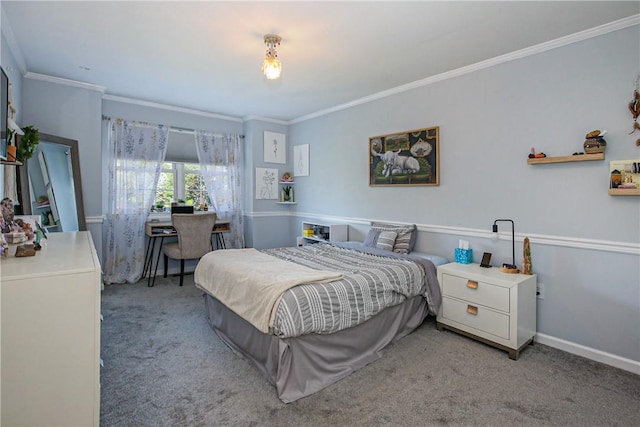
(11,153)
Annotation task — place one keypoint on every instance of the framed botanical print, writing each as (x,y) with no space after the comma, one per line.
(266,183)
(301,160)
(275,147)
(405,158)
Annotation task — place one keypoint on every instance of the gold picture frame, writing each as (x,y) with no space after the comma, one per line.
(407,158)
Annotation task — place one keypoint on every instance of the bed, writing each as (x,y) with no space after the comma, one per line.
(330,309)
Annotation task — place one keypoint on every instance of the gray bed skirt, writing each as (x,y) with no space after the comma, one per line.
(304,365)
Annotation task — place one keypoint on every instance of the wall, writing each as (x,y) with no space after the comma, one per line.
(267,224)
(585,243)
(71,111)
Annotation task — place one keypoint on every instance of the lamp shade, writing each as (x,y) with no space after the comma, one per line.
(494,234)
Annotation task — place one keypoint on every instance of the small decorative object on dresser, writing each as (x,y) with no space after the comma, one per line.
(486,305)
(527,266)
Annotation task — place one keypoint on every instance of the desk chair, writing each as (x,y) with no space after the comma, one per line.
(194,239)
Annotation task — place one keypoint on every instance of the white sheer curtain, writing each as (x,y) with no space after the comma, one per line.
(136,153)
(221,160)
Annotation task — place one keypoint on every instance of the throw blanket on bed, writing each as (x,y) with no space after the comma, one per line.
(250,282)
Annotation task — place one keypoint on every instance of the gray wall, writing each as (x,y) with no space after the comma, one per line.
(267,224)
(74,113)
(585,243)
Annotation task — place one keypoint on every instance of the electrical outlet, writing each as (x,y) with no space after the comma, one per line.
(540,291)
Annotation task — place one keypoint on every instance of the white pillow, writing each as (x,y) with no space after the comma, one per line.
(386,239)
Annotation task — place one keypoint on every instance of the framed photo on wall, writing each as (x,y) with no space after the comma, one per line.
(301,160)
(405,158)
(266,183)
(275,147)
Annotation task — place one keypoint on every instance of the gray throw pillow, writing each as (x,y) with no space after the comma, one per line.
(386,240)
(407,235)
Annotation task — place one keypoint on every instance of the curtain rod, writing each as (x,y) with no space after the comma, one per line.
(175,128)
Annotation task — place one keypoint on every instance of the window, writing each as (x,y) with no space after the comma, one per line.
(180,182)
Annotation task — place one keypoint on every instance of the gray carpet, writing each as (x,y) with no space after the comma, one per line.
(164,366)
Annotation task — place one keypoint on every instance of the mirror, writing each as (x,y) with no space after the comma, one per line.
(50,185)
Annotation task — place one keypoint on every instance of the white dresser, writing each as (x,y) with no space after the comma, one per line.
(486,304)
(51,334)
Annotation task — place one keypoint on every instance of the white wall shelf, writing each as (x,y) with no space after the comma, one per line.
(325,232)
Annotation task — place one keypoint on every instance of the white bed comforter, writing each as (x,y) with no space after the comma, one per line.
(222,273)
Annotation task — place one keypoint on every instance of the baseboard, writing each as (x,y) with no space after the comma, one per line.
(590,353)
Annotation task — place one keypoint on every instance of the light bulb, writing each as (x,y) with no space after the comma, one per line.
(271,67)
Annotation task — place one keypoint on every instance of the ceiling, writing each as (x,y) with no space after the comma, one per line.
(206,55)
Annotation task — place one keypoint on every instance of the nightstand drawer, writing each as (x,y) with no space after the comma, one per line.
(476,292)
(477,317)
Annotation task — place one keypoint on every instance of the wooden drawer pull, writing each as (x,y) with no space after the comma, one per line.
(472,285)
(472,310)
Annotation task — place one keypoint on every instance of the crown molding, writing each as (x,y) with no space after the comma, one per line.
(140,102)
(265,119)
(529,51)
(66,82)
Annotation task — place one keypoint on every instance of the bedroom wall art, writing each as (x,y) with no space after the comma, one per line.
(266,183)
(405,158)
(301,160)
(275,147)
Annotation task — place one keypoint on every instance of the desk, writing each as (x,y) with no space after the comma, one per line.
(162,229)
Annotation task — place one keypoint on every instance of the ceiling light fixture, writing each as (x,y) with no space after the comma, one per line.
(271,66)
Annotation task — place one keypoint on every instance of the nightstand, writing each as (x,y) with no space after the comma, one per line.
(488,305)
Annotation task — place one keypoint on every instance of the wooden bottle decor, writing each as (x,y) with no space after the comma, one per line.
(527,267)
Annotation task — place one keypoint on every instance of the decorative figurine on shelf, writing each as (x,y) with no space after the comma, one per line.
(527,266)
(6,205)
(286,177)
(595,142)
(534,155)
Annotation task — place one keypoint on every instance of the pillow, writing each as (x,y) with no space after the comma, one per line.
(372,237)
(406,239)
(386,239)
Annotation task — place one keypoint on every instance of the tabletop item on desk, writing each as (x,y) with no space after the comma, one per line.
(42,230)
(463,255)
(15,237)
(4,247)
(25,250)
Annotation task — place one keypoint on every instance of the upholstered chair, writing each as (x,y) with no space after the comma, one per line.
(194,238)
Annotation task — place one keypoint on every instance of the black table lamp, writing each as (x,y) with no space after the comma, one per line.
(507,268)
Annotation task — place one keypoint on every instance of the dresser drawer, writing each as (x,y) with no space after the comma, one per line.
(477,317)
(476,292)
